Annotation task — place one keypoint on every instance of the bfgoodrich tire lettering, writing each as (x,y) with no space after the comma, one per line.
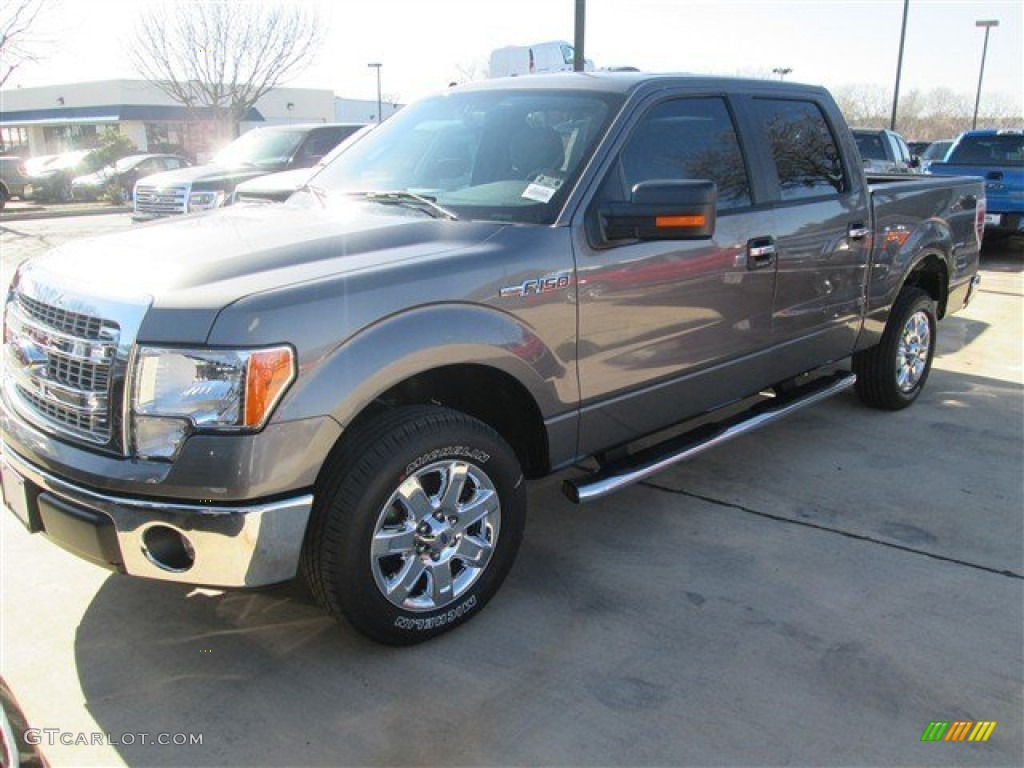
(416,523)
(892,374)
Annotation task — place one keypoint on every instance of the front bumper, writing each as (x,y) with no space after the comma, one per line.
(217,545)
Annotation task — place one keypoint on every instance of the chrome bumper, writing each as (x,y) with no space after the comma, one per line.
(230,546)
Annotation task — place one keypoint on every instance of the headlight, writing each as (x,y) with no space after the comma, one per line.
(203,201)
(178,391)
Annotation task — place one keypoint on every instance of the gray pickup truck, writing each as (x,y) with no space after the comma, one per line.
(500,282)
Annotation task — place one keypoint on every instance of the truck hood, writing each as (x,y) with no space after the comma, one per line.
(208,261)
(207,176)
(285,181)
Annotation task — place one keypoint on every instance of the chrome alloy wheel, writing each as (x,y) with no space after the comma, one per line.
(912,351)
(435,536)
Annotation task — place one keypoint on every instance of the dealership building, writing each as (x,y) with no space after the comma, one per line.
(57,118)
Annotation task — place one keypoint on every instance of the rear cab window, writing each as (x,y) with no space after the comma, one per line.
(994,149)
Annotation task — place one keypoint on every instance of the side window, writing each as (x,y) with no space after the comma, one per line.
(319,144)
(689,139)
(804,150)
(903,151)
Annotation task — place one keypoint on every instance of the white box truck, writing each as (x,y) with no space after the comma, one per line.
(536,59)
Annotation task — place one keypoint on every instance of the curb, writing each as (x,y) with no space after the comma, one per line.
(26,214)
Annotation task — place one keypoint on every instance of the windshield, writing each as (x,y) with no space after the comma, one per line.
(260,148)
(993,149)
(936,150)
(494,155)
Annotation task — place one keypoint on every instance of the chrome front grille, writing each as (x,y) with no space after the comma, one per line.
(59,364)
(161,200)
(61,319)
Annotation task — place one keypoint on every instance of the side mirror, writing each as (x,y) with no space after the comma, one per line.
(663,210)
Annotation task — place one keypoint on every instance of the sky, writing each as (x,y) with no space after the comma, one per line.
(426,44)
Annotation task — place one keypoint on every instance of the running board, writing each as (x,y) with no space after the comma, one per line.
(616,475)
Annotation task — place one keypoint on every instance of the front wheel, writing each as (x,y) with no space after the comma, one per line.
(892,374)
(416,523)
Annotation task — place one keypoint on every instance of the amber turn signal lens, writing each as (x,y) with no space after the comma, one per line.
(268,375)
(679,221)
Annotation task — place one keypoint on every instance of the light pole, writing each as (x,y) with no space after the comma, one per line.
(782,72)
(899,66)
(987,24)
(377,65)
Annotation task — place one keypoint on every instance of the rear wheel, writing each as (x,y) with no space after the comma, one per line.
(892,374)
(416,524)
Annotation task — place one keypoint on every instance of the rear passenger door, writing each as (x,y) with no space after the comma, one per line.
(821,229)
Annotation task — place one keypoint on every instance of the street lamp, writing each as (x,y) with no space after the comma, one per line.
(377,65)
(987,24)
(782,72)
(899,66)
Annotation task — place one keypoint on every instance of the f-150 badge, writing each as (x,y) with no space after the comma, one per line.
(535,286)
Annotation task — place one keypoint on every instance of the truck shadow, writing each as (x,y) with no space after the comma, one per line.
(266,678)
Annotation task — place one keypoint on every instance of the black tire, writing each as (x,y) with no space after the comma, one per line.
(892,374)
(358,503)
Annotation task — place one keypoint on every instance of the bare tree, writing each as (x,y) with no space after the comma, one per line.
(222,57)
(18,44)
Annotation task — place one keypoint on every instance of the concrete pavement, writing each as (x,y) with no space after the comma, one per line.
(813,594)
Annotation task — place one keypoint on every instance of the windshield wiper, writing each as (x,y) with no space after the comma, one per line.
(411,200)
(318,192)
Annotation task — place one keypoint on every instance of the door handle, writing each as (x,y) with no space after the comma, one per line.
(761,252)
(858,231)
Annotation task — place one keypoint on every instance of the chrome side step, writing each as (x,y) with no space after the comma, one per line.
(649,461)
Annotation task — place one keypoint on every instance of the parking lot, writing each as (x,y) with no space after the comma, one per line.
(815,593)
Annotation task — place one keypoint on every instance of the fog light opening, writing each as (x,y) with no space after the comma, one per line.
(168,549)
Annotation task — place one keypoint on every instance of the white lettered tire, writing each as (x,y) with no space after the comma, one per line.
(416,523)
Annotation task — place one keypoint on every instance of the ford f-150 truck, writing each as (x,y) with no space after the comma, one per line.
(498,283)
(998,157)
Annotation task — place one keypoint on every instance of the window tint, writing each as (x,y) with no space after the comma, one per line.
(904,150)
(870,146)
(803,148)
(990,149)
(689,139)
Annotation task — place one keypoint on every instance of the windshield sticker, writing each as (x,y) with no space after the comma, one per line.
(542,189)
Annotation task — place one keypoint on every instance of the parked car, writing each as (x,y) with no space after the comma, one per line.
(353,385)
(12,178)
(52,182)
(36,163)
(278,187)
(256,153)
(123,174)
(936,151)
(998,156)
(884,151)
(918,147)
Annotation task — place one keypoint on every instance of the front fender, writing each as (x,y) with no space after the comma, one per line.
(422,339)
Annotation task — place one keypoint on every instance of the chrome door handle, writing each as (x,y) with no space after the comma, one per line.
(761,253)
(858,232)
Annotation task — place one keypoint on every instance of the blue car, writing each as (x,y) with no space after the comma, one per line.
(998,157)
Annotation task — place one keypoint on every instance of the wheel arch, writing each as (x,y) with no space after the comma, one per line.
(930,273)
(469,358)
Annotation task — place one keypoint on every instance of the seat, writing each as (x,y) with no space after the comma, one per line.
(533,149)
